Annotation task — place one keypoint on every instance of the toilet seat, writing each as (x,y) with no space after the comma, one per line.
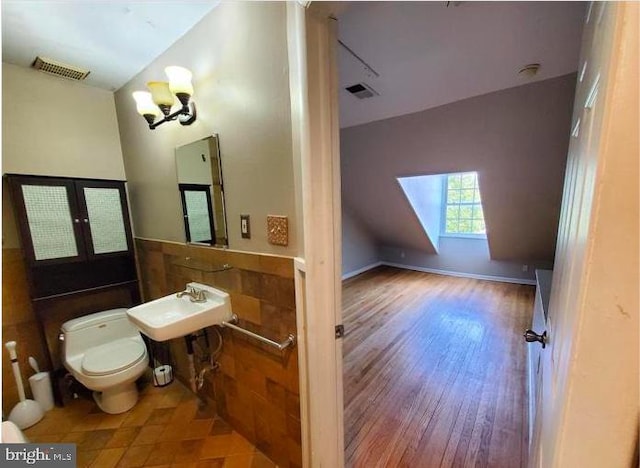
(112,357)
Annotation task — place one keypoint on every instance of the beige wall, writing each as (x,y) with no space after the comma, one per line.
(516,139)
(57,127)
(190,165)
(54,127)
(238,55)
(359,250)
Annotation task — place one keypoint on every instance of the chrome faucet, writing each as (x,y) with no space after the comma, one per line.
(195,295)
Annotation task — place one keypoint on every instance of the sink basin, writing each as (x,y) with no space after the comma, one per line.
(172,316)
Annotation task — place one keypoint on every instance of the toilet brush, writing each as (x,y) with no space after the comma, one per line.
(27,412)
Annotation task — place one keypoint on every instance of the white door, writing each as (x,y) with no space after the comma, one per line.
(537,338)
(584,217)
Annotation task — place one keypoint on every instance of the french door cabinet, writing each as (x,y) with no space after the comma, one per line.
(75,233)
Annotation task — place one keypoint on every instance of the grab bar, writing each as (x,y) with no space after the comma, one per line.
(290,341)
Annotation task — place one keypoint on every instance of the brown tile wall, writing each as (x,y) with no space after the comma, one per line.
(256,389)
(19,325)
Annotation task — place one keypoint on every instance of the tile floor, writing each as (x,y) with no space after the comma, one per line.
(168,427)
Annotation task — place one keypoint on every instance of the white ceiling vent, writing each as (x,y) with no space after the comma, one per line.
(59,69)
(362,90)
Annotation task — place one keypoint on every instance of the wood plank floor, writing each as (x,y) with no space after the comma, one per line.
(434,371)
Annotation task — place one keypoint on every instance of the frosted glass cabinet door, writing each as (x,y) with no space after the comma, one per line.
(198,213)
(105,220)
(104,214)
(198,216)
(50,221)
(71,220)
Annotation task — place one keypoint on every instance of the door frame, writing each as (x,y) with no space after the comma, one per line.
(312,43)
(311,32)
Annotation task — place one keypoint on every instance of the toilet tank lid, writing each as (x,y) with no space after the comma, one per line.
(92,320)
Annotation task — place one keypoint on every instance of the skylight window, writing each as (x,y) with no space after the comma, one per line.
(463,208)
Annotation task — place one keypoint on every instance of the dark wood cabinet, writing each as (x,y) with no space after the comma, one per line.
(78,249)
(76,233)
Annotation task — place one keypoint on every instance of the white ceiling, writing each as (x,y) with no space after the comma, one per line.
(428,54)
(114,40)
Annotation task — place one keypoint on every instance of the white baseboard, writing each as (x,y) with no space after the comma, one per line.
(500,279)
(351,274)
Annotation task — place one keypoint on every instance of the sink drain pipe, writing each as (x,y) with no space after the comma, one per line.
(192,367)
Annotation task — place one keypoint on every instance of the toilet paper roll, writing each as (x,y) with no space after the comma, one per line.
(40,384)
(162,375)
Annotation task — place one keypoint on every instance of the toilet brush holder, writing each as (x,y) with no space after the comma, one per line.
(40,384)
(27,412)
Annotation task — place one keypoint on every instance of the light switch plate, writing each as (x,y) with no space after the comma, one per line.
(245,227)
(278,230)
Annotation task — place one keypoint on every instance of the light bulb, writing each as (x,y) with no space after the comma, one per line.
(160,93)
(179,80)
(144,103)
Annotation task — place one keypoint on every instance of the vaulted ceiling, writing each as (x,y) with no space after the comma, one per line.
(451,100)
(427,54)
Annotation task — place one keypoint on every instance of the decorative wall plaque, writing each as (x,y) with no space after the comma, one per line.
(278,230)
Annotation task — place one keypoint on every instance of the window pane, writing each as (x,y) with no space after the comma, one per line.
(468,180)
(477,212)
(465,226)
(452,225)
(453,182)
(198,215)
(478,226)
(105,220)
(466,196)
(453,212)
(453,196)
(50,223)
(464,214)
(466,211)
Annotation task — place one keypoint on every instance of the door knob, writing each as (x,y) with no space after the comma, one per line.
(530,336)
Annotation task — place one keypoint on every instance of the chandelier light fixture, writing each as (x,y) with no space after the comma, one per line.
(161,96)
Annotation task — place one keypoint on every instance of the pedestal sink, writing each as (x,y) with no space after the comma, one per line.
(180,314)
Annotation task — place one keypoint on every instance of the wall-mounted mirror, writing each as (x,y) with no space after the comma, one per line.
(201,191)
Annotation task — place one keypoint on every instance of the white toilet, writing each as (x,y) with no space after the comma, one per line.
(106,353)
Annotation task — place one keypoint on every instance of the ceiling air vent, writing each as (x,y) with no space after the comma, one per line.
(362,90)
(59,69)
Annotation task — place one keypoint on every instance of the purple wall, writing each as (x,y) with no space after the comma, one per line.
(516,139)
